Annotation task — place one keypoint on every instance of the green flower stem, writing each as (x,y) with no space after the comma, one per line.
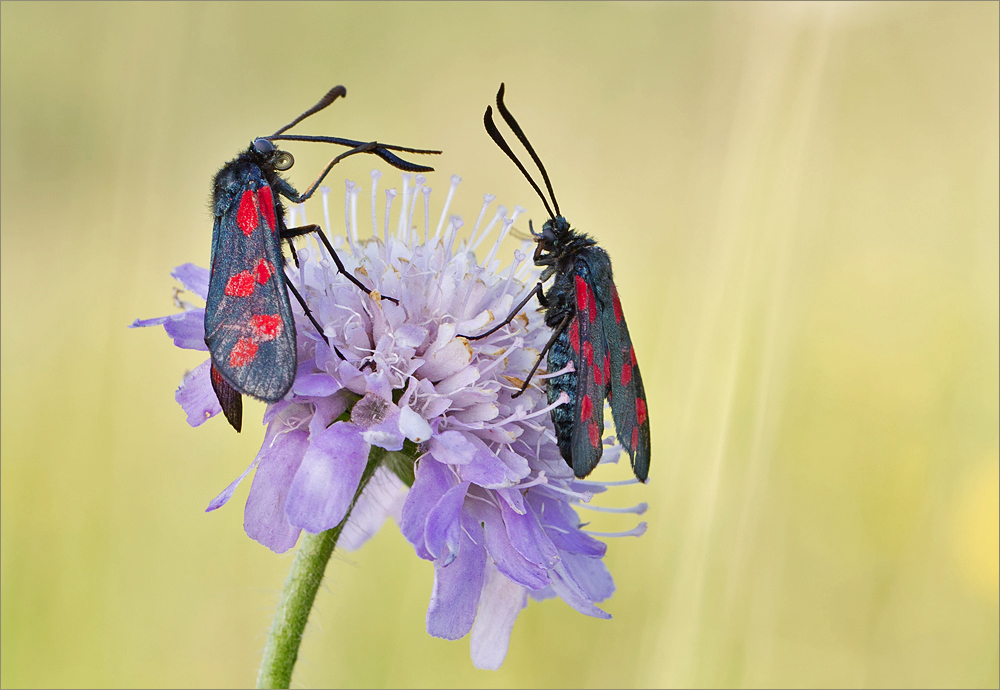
(282,648)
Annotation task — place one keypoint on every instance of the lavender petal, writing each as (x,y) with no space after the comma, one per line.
(324,485)
(499,606)
(443,525)
(431,481)
(196,395)
(264,518)
(456,592)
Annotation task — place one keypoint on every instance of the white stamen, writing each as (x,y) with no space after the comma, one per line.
(638,509)
(351,239)
(390,194)
(518,258)
(568,369)
(355,231)
(501,212)
(518,210)
(449,237)
(325,192)
(455,180)
(427,212)
(407,196)
(540,480)
(636,531)
(487,200)
(507,222)
(583,497)
(624,482)
(293,217)
(417,182)
(376,174)
(302,210)
(519,415)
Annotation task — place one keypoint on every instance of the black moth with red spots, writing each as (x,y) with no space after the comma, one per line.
(249,328)
(588,328)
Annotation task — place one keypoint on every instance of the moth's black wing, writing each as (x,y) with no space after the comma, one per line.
(249,327)
(628,398)
(589,351)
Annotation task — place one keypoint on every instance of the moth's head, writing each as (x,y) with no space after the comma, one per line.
(550,240)
(272,155)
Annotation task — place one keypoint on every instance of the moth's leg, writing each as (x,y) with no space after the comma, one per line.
(309,315)
(555,334)
(537,290)
(289,233)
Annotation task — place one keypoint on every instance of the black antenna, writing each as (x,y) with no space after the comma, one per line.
(512,123)
(331,95)
(342,142)
(499,140)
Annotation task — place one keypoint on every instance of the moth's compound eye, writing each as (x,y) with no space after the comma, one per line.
(283,161)
(263,145)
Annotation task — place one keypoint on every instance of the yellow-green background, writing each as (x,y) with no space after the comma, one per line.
(801,202)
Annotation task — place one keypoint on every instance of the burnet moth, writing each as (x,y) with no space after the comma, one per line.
(588,328)
(249,327)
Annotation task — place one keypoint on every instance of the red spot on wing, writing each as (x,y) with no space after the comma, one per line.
(595,436)
(616,303)
(581,293)
(217,376)
(267,206)
(593,305)
(240,285)
(588,353)
(640,410)
(574,335)
(626,374)
(263,270)
(266,326)
(246,215)
(586,408)
(243,352)
(632,355)
(635,438)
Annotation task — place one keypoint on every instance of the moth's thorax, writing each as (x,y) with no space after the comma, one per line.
(558,243)
(249,170)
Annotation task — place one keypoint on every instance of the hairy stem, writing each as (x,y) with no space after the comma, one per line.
(282,648)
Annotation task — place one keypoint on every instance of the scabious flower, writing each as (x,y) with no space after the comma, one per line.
(472,476)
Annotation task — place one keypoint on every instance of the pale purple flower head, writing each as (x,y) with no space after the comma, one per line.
(472,476)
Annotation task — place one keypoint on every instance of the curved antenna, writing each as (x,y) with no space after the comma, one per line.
(499,140)
(342,142)
(331,95)
(512,123)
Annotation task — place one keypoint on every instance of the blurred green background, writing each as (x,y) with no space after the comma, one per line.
(801,202)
